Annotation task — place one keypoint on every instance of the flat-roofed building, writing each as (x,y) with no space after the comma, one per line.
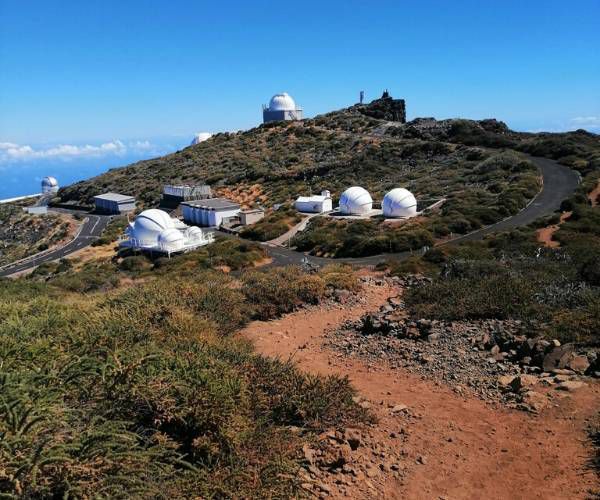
(114,203)
(174,195)
(316,204)
(251,216)
(209,213)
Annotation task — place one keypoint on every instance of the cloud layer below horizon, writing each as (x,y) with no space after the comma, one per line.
(16,153)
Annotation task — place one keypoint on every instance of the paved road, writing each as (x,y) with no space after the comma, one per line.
(91,229)
(559,182)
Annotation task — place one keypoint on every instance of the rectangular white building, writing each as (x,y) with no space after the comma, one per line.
(114,203)
(316,204)
(210,212)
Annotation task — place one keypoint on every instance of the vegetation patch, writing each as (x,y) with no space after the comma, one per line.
(144,391)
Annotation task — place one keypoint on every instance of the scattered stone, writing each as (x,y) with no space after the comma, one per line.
(353,438)
(399,408)
(570,385)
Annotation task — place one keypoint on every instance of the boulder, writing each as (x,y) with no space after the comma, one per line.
(558,357)
(523,381)
(579,364)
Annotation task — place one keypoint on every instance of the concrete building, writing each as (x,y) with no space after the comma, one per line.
(209,213)
(316,204)
(155,231)
(252,216)
(114,203)
(281,107)
(174,195)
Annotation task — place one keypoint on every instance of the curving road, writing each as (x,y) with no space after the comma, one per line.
(559,182)
(90,230)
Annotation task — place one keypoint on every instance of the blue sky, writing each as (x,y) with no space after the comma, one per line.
(153,72)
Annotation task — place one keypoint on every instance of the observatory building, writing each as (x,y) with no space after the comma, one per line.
(281,107)
(155,231)
(200,137)
(114,203)
(49,185)
(399,202)
(356,201)
(210,212)
(316,204)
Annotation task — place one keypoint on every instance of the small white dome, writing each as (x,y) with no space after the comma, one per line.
(356,201)
(399,202)
(49,184)
(171,239)
(200,137)
(282,102)
(149,224)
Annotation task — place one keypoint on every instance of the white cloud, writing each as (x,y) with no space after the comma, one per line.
(11,152)
(590,122)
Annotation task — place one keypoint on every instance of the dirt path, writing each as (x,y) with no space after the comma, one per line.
(594,196)
(544,235)
(456,447)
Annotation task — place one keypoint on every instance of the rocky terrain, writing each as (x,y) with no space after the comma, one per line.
(494,359)
(434,434)
(22,235)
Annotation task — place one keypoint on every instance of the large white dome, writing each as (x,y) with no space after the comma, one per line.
(49,184)
(148,225)
(399,202)
(356,201)
(282,102)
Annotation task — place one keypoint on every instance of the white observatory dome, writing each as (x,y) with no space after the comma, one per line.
(170,239)
(282,102)
(49,185)
(399,202)
(200,137)
(148,225)
(194,233)
(356,201)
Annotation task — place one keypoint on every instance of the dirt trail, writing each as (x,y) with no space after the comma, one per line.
(594,196)
(544,235)
(471,449)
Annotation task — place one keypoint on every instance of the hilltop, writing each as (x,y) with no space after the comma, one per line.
(344,147)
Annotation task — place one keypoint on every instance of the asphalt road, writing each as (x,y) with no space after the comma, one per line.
(91,229)
(559,182)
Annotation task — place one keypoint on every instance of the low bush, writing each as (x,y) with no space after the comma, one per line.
(279,291)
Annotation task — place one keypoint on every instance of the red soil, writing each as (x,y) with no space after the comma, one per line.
(472,449)
(545,234)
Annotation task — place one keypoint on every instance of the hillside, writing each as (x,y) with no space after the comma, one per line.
(477,166)
(330,151)
(22,234)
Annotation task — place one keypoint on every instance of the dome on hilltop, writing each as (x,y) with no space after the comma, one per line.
(356,201)
(399,202)
(200,137)
(282,102)
(49,184)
